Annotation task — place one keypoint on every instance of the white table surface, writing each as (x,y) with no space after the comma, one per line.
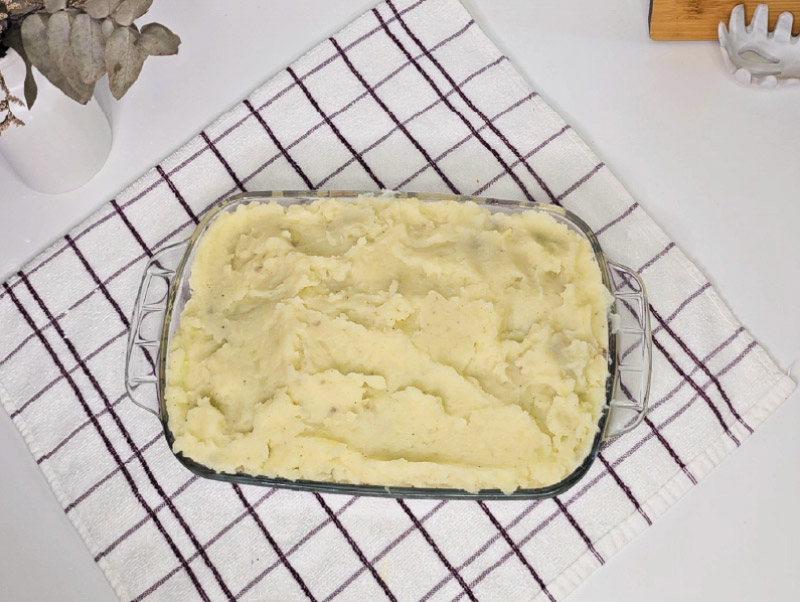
(714,162)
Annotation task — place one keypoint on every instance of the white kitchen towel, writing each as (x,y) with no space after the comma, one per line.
(411,96)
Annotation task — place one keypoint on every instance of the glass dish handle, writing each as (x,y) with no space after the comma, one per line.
(147,322)
(631,390)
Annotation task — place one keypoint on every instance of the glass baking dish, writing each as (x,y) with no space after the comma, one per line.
(164,290)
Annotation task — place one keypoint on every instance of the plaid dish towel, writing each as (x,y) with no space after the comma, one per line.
(411,96)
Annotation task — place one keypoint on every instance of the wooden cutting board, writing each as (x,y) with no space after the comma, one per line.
(698,19)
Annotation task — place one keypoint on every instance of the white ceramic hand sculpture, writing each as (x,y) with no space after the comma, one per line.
(755,55)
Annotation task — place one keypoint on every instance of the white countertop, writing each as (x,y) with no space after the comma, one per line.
(714,162)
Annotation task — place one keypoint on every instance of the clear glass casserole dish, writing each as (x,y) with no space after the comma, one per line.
(164,291)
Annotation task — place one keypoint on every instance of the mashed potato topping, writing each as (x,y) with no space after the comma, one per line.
(390,342)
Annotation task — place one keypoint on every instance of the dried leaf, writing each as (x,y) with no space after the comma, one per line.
(124,60)
(88,47)
(142,6)
(34,38)
(158,40)
(58,40)
(108,27)
(100,9)
(52,6)
(58,27)
(13,40)
(129,10)
(30,88)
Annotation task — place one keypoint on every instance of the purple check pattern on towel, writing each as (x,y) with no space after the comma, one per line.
(411,96)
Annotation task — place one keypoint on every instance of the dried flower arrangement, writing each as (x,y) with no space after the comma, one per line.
(73,43)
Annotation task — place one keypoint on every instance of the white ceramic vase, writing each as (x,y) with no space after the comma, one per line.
(63,144)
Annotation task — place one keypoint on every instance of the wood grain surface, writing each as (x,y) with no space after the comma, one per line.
(698,19)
